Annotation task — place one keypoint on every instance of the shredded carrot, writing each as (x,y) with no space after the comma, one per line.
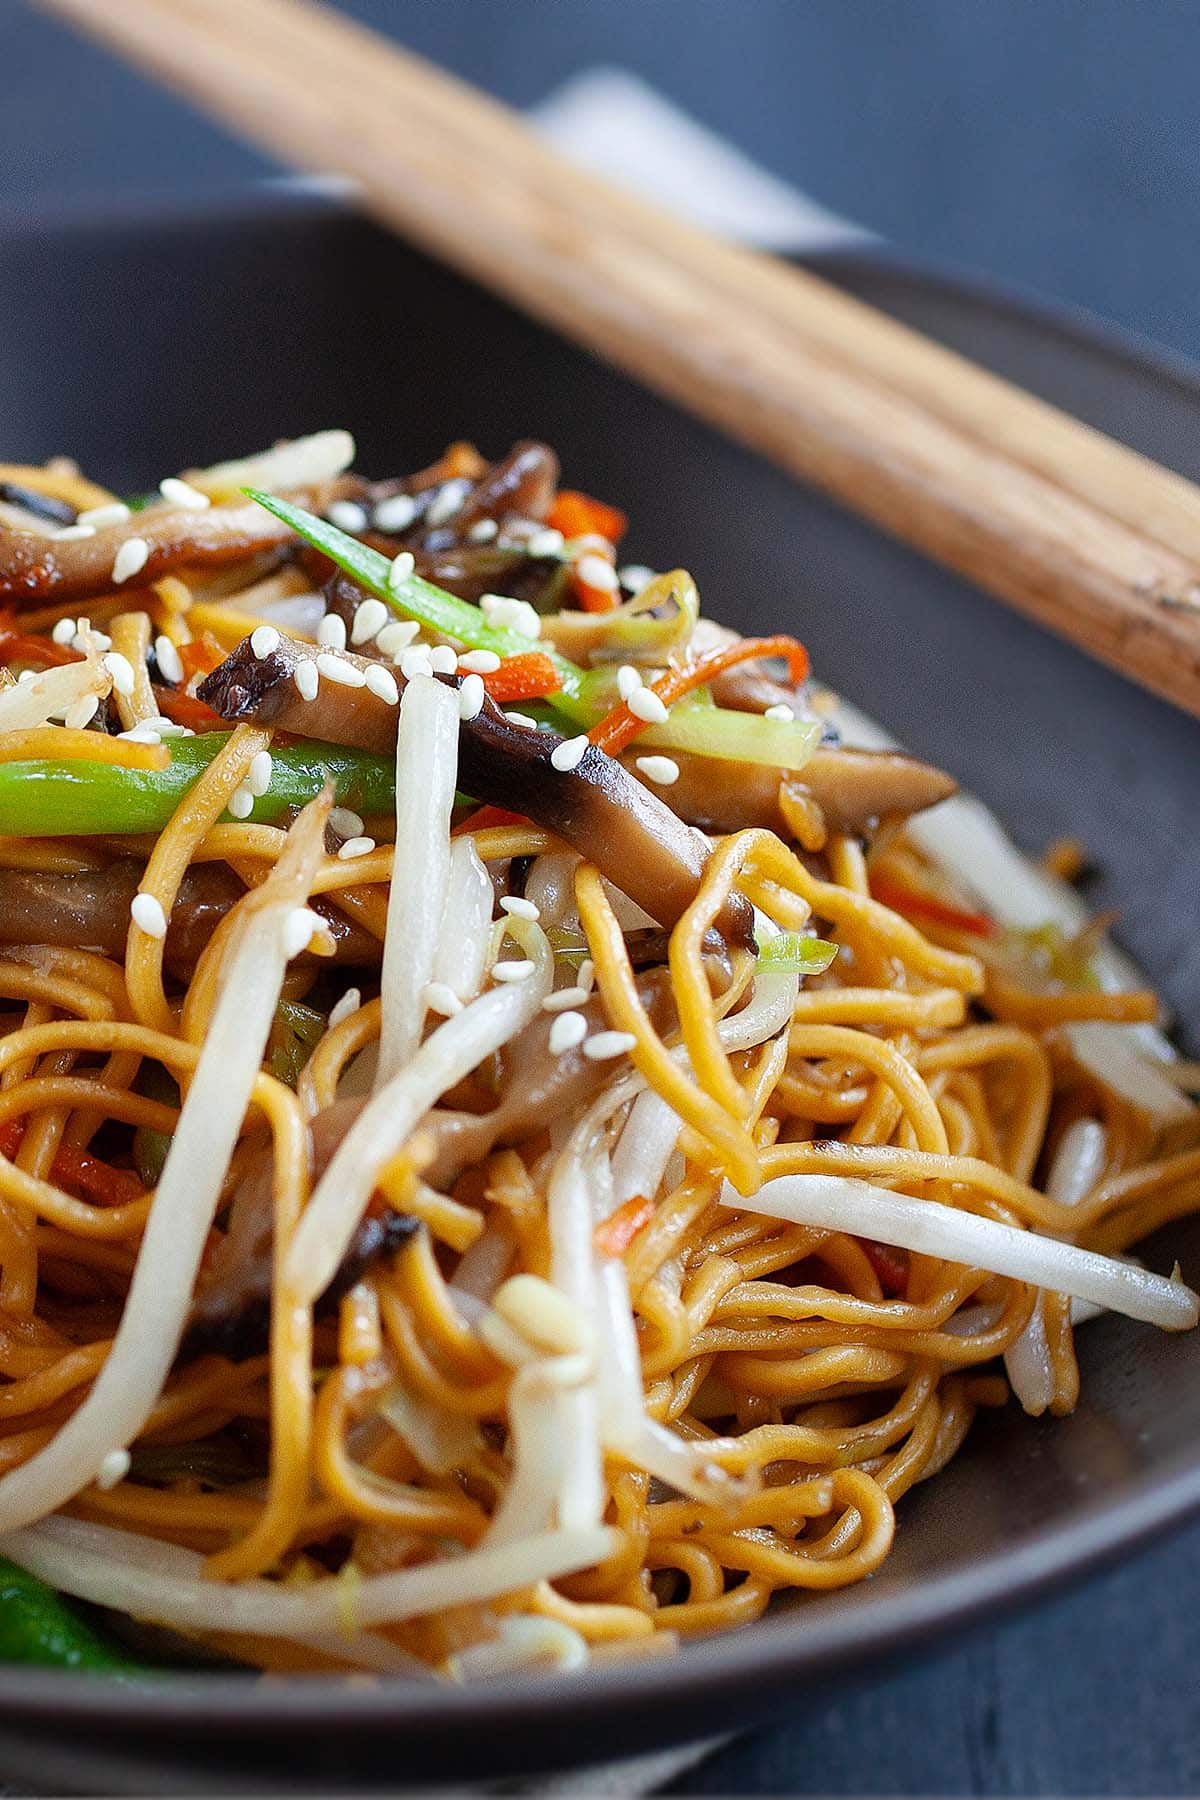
(56,743)
(487,818)
(592,599)
(891,1266)
(43,652)
(620,726)
(615,1234)
(76,1168)
(911,904)
(528,677)
(201,656)
(185,709)
(578,515)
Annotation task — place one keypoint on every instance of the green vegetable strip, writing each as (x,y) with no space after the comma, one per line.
(78,799)
(38,1626)
(734,736)
(794,953)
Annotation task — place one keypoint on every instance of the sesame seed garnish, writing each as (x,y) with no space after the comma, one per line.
(587,974)
(470,697)
(369,620)
(355,847)
(264,641)
(148,915)
(545,543)
(170,665)
(241,802)
(258,775)
(182,493)
(523,720)
(779,712)
(82,713)
(439,997)
(635,576)
(113,512)
(307,680)
(483,531)
(382,683)
(70,533)
(113,1470)
(64,631)
(565,997)
(443,660)
(446,501)
(595,572)
(629,680)
(331,632)
(349,1003)
(517,907)
(130,559)
(335,668)
(120,670)
(479,662)
(347,515)
(662,770)
(567,1033)
(141,734)
(607,1044)
(345,822)
(396,513)
(569,754)
(167,728)
(396,637)
(645,704)
(512,971)
(90,641)
(298,929)
(401,569)
(507,614)
(415,661)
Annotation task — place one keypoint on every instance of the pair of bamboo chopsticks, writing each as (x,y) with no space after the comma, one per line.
(1095,541)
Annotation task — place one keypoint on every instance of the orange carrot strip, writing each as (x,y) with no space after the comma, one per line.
(619,727)
(529,677)
(615,1234)
(907,901)
(578,515)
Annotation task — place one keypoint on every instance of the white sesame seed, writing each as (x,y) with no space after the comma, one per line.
(629,680)
(661,770)
(443,660)
(446,501)
(396,637)
(345,823)
(587,974)
(382,683)
(567,1033)
(479,662)
(519,908)
(589,541)
(779,712)
(512,971)
(331,632)
(349,1003)
(114,1468)
(369,619)
(569,754)
(64,631)
(565,997)
(182,493)
(130,559)
(595,572)
(355,847)
(70,533)
(170,666)
(167,728)
(439,997)
(645,704)
(607,1044)
(347,515)
(258,775)
(545,543)
(483,531)
(523,720)
(635,576)
(415,661)
(507,614)
(241,802)
(401,569)
(141,734)
(121,671)
(336,668)
(148,915)
(471,697)
(298,929)
(82,713)
(396,513)
(307,679)
(113,512)
(264,641)
(89,640)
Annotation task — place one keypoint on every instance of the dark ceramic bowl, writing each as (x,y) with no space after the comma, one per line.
(140,344)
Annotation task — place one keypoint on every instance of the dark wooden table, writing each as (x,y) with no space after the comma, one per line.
(1053,146)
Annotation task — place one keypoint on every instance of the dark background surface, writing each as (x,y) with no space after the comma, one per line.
(1053,145)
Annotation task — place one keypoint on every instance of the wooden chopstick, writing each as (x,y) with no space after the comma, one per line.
(1072,528)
